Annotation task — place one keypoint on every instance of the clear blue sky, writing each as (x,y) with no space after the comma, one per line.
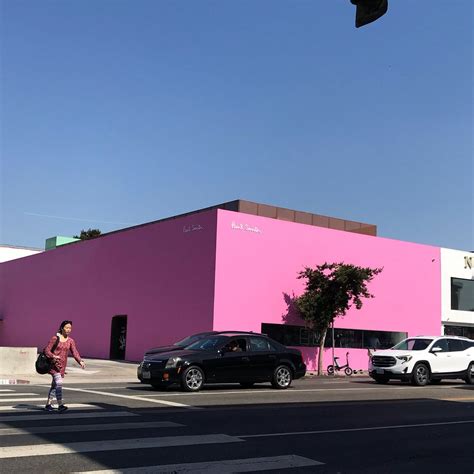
(118,112)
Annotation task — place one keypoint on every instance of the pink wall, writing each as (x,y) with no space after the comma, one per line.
(160,275)
(258,260)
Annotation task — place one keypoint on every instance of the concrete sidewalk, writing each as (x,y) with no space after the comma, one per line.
(96,371)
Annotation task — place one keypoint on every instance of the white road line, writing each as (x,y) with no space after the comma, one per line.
(275,392)
(30,408)
(131,397)
(113,445)
(67,416)
(81,428)
(29,399)
(349,430)
(15,395)
(6,390)
(221,467)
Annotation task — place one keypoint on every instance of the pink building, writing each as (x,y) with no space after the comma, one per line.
(216,269)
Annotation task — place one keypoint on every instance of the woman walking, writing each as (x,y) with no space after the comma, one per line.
(57,350)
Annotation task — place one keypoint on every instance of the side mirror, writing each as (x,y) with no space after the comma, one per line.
(436,349)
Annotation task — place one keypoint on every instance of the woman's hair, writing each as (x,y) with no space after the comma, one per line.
(61,326)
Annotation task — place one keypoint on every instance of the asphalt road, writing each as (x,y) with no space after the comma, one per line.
(317,426)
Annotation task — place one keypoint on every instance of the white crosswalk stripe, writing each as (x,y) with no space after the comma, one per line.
(220,467)
(30,408)
(15,395)
(65,416)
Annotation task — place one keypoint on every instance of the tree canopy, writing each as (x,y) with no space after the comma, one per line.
(331,290)
(88,234)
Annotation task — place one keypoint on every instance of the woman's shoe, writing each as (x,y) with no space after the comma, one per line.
(49,408)
(62,408)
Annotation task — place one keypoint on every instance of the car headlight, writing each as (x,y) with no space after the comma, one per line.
(404,358)
(172,362)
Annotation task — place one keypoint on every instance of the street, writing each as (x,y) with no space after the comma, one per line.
(319,425)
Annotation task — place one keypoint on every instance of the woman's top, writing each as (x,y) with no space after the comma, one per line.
(62,350)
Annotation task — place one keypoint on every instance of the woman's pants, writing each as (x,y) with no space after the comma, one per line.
(56,389)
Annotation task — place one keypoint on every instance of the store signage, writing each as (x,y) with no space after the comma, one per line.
(469,262)
(192,228)
(245,227)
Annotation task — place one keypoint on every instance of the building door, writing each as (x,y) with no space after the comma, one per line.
(118,337)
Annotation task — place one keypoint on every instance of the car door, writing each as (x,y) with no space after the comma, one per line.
(233,366)
(458,353)
(440,360)
(263,358)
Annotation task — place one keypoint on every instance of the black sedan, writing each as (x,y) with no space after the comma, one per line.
(244,358)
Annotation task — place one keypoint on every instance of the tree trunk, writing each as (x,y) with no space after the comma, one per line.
(321,351)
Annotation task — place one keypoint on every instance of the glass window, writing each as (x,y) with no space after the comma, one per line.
(462,294)
(413,345)
(259,344)
(465,331)
(442,344)
(456,345)
(207,344)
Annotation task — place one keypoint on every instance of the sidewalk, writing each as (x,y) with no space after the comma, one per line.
(96,371)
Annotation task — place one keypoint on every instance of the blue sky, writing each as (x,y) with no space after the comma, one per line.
(117,112)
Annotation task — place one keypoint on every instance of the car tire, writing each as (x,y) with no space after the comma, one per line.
(282,377)
(247,384)
(382,380)
(470,374)
(420,375)
(192,379)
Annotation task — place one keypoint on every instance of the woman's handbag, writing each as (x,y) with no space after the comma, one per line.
(43,362)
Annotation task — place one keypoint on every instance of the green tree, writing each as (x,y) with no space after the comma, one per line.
(88,234)
(331,289)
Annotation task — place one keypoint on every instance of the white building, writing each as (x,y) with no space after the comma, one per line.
(10,252)
(457,292)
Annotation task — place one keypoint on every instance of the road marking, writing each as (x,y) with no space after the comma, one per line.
(81,428)
(274,392)
(113,445)
(6,390)
(132,397)
(457,399)
(22,399)
(221,467)
(15,395)
(349,430)
(29,408)
(67,416)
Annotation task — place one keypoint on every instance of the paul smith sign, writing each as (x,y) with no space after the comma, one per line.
(246,227)
(469,262)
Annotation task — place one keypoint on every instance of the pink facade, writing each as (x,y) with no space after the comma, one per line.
(258,260)
(160,275)
(215,269)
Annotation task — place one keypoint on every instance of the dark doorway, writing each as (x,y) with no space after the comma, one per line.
(118,337)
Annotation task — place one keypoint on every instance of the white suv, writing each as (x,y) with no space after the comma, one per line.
(425,359)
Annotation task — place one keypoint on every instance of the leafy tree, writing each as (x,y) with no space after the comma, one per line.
(88,234)
(331,289)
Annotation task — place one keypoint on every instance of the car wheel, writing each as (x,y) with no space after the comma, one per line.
(420,375)
(470,374)
(192,379)
(247,384)
(382,380)
(282,377)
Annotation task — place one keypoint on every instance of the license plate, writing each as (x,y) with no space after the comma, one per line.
(379,371)
(146,374)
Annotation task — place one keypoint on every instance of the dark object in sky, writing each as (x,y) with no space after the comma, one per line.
(368,11)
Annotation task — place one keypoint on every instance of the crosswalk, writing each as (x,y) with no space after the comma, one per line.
(32,440)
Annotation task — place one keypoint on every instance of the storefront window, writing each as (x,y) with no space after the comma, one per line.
(465,331)
(462,294)
(349,338)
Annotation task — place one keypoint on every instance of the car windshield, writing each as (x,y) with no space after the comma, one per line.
(413,345)
(207,344)
(189,340)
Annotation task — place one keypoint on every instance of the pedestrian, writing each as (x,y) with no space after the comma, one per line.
(57,350)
